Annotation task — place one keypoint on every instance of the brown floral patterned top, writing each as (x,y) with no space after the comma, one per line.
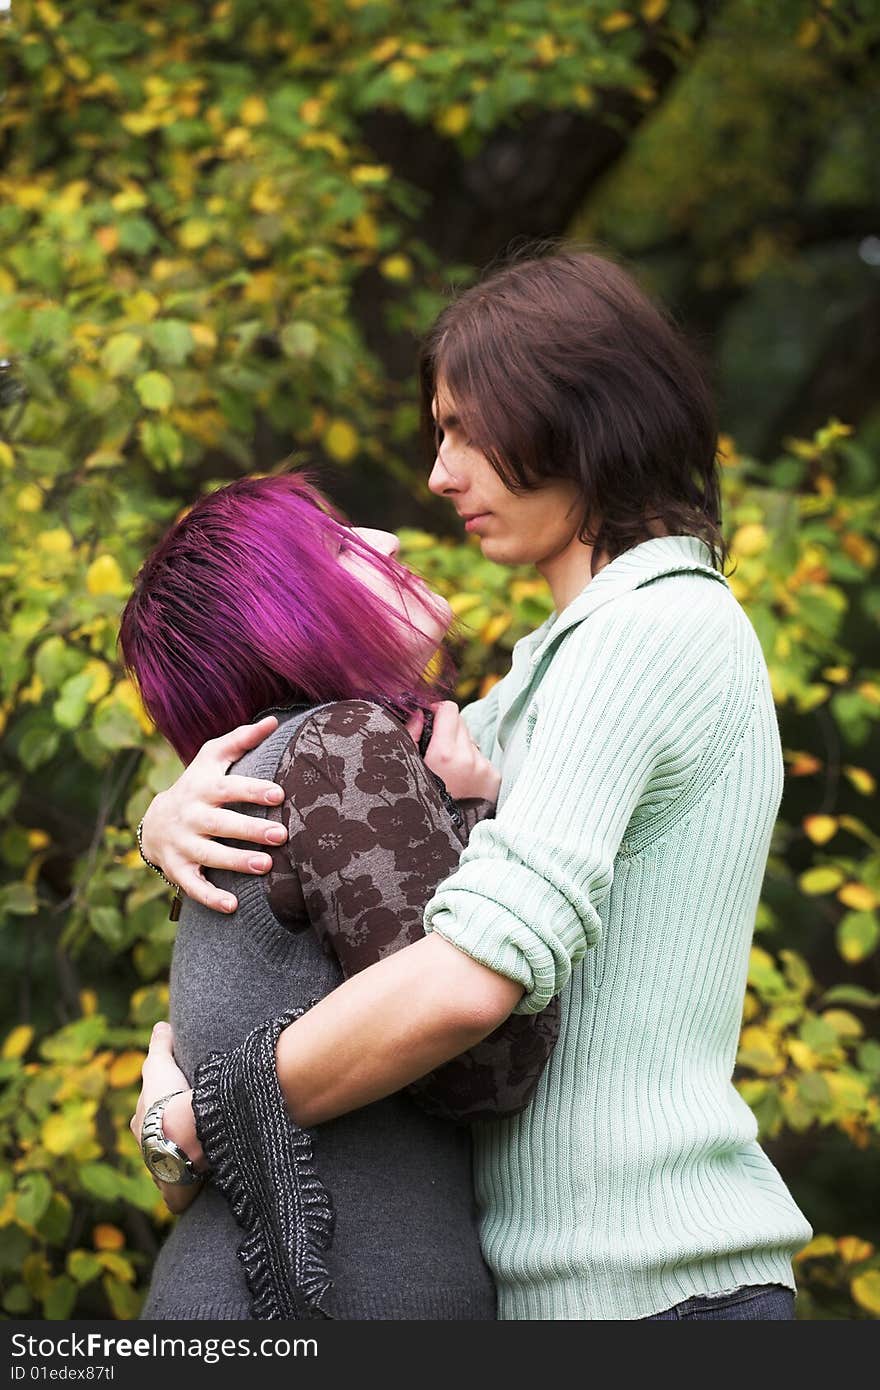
(372,833)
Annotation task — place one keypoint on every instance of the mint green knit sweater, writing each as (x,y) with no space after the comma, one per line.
(641,776)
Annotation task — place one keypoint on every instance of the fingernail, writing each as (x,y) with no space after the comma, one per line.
(228,904)
(260,863)
(274,796)
(276,835)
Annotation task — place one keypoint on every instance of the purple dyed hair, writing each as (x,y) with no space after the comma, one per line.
(243,606)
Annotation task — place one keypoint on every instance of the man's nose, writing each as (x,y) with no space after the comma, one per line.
(440,480)
(385,542)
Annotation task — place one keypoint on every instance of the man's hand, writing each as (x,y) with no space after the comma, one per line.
(183,824)
(161,1076)
(453,755)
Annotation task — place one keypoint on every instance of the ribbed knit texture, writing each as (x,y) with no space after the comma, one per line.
(642,773)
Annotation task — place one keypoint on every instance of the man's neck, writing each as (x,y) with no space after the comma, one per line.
(569,572)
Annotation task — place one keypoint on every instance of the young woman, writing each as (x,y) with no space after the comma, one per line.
(261,598)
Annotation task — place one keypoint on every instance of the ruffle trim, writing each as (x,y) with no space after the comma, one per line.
(263,1164)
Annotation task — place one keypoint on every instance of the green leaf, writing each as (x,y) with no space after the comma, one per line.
(58,1302)
(162,442)
(83,1266)
(54,1224)
(120,353)
(172,340)
(851,994)
(33,1198)
(18,1300)
(123,1299)
(299,339)
(156,390)
(70,708)
(857,935)
(38,746)
(101,1181)
(18,899)
(13,1247)
(76,1042)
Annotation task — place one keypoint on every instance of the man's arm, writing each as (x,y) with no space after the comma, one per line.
(382,1029)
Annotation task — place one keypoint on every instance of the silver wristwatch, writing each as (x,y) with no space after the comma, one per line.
(165,1159)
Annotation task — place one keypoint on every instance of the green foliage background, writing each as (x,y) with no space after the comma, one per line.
(214,253)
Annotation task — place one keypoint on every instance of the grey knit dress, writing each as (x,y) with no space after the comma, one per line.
(372,1214)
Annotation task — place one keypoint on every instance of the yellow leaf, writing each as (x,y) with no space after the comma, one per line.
(463,603)
(547,49)
(129,199)
(253,111)
(311,110)
(401,72)
(820,829)
(853,1249)
(126,1069)
(38,839)
(265,197)
(760,1050)
(7,458)
(860,549)
(195,232)
(804,765)
(396,267)
(29,499)
(845,1024)
(127,695)
(750,540)
(865,1290)
(495,627)
(858,896)
(17,1042)
(204,336)
(370,175)
(486,685)
(141,307)
(340,439)
(55,542)
(101,676)
(384,50)
(262,286)
(652,10)
(818,1248)
(616,21)
(49,14)
(104,576)
(365,231)
(107,1237)
(452,120)
(862,780)
(823,879)
(803,1057)
(141,122)
(88,1002)
(808,34)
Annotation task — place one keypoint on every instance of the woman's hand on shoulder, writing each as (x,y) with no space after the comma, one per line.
(183,825)
(454,757)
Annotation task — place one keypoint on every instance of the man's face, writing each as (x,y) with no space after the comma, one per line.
(530,528)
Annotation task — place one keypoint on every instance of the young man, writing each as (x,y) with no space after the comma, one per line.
(641,774)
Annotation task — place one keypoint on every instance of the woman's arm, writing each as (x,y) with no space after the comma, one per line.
(370,838)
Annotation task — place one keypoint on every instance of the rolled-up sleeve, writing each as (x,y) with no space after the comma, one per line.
(608,733)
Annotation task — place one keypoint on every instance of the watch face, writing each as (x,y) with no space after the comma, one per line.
(165,1166)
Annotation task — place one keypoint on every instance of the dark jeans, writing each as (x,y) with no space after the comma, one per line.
(757,1303)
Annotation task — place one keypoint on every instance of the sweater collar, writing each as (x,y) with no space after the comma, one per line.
(641,565)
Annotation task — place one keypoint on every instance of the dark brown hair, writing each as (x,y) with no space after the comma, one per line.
(562,367)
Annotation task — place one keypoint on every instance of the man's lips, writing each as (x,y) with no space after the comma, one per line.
(472,521)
